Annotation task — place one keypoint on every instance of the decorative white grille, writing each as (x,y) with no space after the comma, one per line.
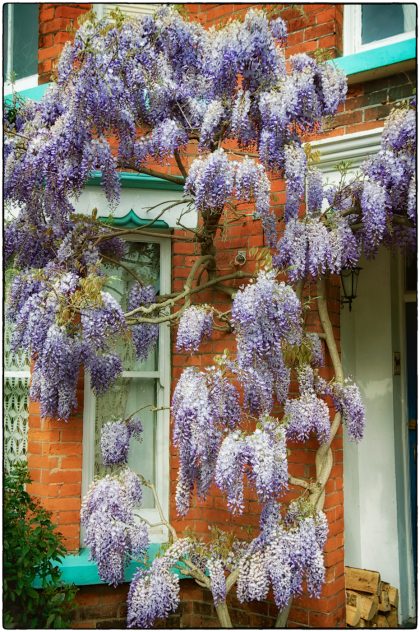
(13,362)
(15,401)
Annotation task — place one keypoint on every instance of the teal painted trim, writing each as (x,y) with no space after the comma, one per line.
(35,93)
(81,571)
(377,57)
(137,181)
(131,220)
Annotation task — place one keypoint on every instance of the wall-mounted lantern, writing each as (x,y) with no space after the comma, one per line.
(349,279)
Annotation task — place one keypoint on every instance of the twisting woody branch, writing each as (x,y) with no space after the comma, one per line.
(132,92)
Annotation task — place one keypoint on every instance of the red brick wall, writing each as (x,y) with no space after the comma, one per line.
(105,607)
(55,448)
(369,103)
(55,464)
(56,22)
(311,26)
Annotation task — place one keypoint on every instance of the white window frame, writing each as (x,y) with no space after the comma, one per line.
(352,33)
(163,376)
(25,83)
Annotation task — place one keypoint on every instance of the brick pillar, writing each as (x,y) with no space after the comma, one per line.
(55,466)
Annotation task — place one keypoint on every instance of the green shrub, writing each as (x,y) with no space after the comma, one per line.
(30,548)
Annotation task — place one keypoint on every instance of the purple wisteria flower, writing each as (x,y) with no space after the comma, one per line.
(115,442)
(348,401)
(218,580)
(144,335)
(317,349)
(251,180)
(104,370)
(195,324)
(230,466)
(314,191)
(294,173)
(264,314)
(115,439)
(309,248)
(307,413)
(242,124)
(261,455)
(101,323)
(211,181)
(154,593)
(283,558)
(203,405)
(112,532)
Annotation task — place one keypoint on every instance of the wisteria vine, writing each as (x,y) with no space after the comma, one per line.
(158,86)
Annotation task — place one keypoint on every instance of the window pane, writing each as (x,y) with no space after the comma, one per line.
(380,21)
(25,39)
(144,260)
(125,397)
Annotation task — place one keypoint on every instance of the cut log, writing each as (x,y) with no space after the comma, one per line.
(367,604)
(381,621)
(353,598)
(393,596)
(384,605)
(362,580)
(392,618)
(363,624)
(352,616)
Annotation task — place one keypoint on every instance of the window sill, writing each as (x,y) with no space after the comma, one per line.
(36,93)
(379,62)
(81,571)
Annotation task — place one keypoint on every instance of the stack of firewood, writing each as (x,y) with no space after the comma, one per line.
(371,603)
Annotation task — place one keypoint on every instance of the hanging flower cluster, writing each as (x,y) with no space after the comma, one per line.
(284,554)
(44,308)
(307,413)
(348,400)
(195,324)
(115,440)
(144,335)
(261,455)
(264,314)
(112,533)
(154,593)
(203,405)
(309,248)
(389,189)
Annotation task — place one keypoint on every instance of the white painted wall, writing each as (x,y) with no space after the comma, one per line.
(376,480)
(369,468)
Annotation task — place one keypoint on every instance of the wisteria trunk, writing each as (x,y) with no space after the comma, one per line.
(324,456)
(283,615)
(223,615)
